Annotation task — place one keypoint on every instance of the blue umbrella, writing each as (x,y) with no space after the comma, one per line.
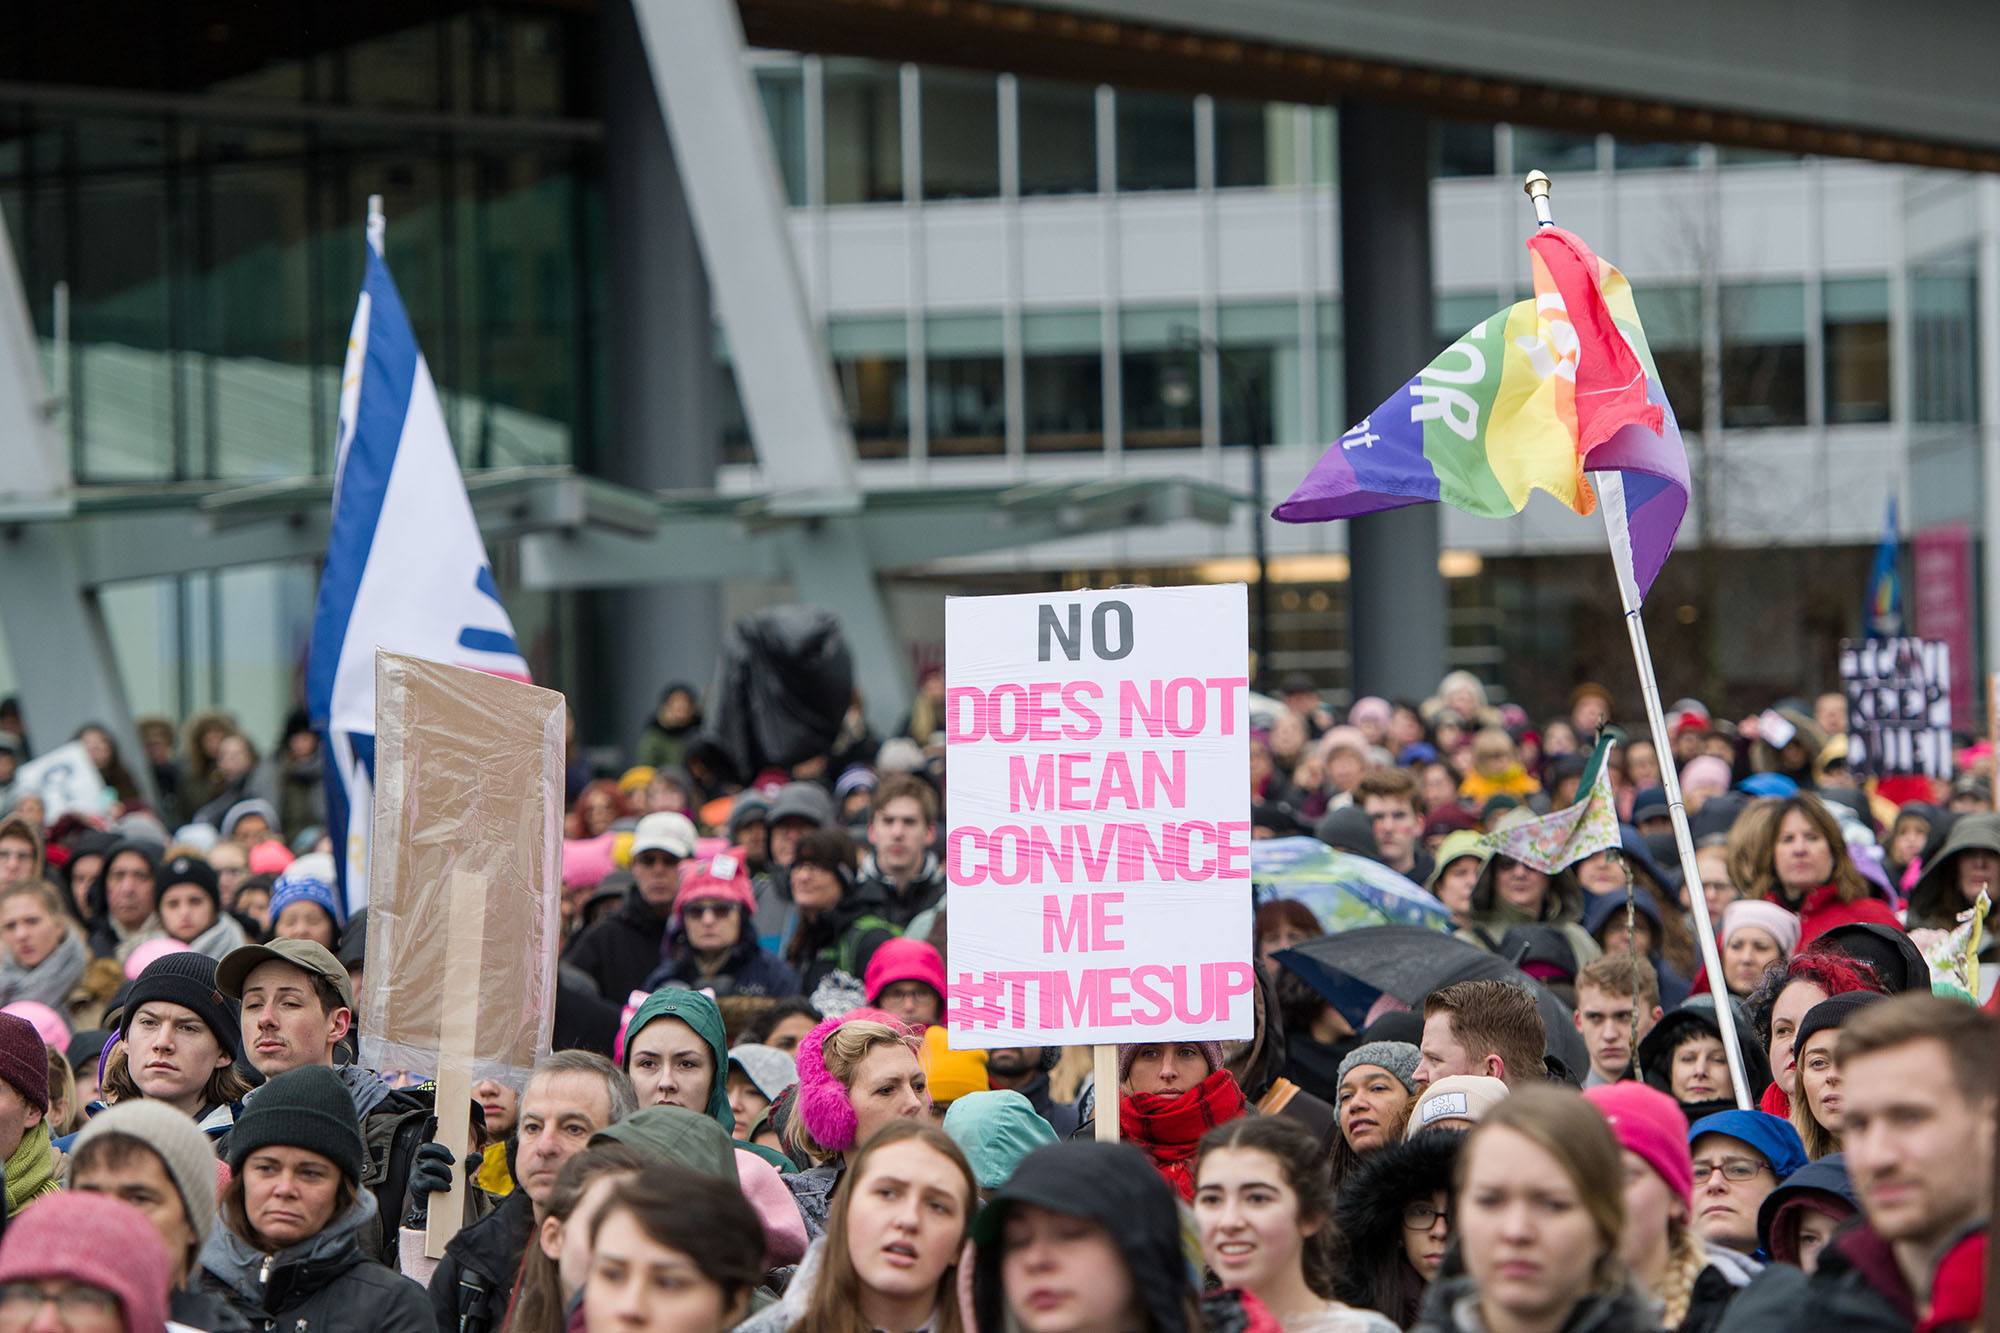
(1345,891)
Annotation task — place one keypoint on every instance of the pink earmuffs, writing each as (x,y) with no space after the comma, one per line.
(823,1102)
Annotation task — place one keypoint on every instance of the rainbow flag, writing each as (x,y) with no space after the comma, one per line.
(1534,397)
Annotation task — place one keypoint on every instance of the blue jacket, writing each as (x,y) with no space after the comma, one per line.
(749,970)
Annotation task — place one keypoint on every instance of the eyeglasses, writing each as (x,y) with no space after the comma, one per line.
(1422,1216)
(1735,1170)
(78,1304)
(703,911)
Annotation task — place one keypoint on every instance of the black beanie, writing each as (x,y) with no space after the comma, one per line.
(308,1107)
(191,870)
(1832,1012)
(186,979)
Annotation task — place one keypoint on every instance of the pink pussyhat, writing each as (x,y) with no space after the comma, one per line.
(47,1023)
(149,952)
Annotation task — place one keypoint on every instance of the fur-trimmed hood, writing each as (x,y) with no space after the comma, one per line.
(1369,1214)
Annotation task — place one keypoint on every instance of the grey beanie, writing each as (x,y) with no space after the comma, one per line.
(769,1069)
(173,1137)
(1398,1057)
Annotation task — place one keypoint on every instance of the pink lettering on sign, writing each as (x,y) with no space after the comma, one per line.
(1084,926)
(1150,995)
(1073,781)
(1186,851)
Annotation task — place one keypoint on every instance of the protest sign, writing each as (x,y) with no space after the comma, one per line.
(464,888)
(1097,755)
(1898,706)
(67,782)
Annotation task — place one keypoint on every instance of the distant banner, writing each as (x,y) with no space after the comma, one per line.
(67,782)
(1898,706)
(1097,754)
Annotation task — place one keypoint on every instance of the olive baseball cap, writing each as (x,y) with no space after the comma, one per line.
(306,955)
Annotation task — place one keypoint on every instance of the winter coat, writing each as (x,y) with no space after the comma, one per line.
(922,894)
(1609,909)
(622,949)
(702,1017)
(324,1284)
(1452,1306)
(665,747)
(1716,1287)
(1826,1178)
(49,981)
(813,1190)
(1935,902)
(1489,915)
(750,968)
(470,1288)
(836,945)
(1822,911)
(1369,1214)
(1259,1068)
(777,916)
(1859,1288)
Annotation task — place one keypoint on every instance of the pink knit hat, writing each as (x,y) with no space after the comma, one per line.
(1127,1054)
(904,960)
(586,861)
(152,951)
(269,857)
(48,1023)
(784,1227)
(724,877)
(823,1104)
(98,1241)
(1780,924)
(1650,1123)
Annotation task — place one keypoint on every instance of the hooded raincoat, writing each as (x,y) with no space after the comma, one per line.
(699,1013)
(1489,914)
(1937,900)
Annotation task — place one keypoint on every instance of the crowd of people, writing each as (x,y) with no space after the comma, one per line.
(751,1117)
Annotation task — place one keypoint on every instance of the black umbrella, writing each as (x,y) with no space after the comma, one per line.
(1355,968)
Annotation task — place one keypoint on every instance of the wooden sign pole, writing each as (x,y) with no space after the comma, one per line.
(458,1032)
(1105,1064)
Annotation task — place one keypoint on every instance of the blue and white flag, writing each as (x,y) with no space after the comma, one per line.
(405,567)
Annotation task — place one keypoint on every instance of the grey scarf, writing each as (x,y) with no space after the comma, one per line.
(50,981)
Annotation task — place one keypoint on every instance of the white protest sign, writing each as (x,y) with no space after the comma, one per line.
(1898,706)
(1097,763)
(67,782)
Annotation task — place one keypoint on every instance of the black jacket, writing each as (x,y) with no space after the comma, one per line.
(1369,1216)
(621,950)
(750,969)
(1854,1290)
(843,938)
(324,1284)
(920,895)
(1063,1117)
(470,1288)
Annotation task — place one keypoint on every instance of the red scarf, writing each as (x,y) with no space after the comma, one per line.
(1168,1125)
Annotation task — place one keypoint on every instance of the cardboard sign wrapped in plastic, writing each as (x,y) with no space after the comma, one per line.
(465,884)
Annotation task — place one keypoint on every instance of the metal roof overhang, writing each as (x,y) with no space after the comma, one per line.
(574,531)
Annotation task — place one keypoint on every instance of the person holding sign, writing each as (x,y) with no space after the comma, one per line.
(1170,1094)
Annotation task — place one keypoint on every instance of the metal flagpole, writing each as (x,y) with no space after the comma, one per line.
(1611,496)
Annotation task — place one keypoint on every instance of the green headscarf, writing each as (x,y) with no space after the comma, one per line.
(698,1012)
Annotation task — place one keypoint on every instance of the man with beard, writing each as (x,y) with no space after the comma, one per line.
(1025,1069)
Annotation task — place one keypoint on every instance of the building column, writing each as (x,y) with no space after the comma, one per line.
(1395,593)
(665,421)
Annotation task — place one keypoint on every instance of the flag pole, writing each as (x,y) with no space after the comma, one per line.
(378,225)
(1611,488)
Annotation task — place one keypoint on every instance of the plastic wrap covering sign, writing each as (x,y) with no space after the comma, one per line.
(1098,833)
(462,918)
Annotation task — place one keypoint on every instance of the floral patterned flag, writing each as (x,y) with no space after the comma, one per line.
(1566,836)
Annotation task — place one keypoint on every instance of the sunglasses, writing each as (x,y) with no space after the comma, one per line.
(704,911)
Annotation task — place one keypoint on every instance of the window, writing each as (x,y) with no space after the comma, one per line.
(864,133)
(1159,360)
(1063,376)
(1553,151)
(1329,330)
(781,89)
(1944,343)
(1763,355)
(1259,369)
(1058,134)
(1155,141)
(1855,314)
(1672,316)
(1639,155)
(1463,147)
(965,385)
(871,361)
(1452,315)
(735,423)
(960,126)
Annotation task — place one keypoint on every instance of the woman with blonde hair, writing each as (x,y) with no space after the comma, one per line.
(1816,1108)
(858,1072)
(1539,1214)
(889,1258)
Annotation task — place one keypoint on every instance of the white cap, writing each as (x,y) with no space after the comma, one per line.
(664,832)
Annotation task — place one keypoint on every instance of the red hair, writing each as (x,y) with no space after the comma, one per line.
(1832,971)
(573,826)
